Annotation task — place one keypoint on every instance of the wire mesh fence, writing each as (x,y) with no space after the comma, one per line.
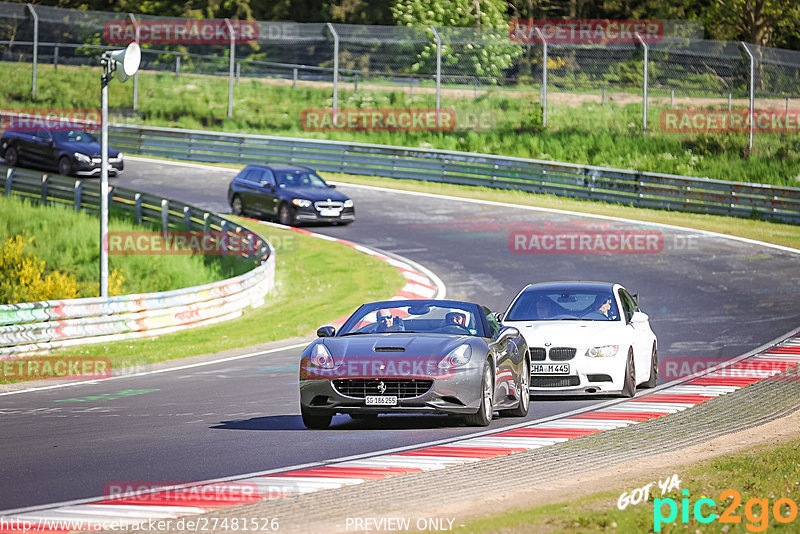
(440,65)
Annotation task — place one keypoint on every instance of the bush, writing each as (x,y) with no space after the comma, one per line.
(23,278)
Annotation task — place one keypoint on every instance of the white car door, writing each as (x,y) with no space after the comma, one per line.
(639,335)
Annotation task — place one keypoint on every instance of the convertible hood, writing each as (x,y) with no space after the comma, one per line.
(393,345)
(394,355)
(565,333)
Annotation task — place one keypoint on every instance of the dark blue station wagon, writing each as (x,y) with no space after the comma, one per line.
(290,194)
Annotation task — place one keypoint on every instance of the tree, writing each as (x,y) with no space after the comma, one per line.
(753,21)
(485,49)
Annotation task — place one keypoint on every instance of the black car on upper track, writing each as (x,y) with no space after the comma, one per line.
(289,193)
(68,152)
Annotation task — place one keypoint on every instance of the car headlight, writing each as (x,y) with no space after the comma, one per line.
(458,357)
(301,202)
(321,357)
(119,156)
(348,203)
(602,352)
(83,158)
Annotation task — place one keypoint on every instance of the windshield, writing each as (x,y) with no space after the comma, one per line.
(74,137)
(565,304)
(421,318)
(299,178)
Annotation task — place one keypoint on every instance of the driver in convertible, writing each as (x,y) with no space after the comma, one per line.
(388,323)
(455,318)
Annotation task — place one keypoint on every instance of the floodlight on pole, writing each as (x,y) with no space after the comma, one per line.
(125,63)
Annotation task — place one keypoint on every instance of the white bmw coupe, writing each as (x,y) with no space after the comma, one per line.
(585,338)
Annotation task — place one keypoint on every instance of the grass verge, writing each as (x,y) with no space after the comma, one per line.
(764,473)
(69,241)
(496,121)
(316,281)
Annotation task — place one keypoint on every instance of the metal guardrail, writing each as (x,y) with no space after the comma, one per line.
(46,325)
(642,189)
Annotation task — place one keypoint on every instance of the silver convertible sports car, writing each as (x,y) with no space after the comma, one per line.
(585,337)
(415,356)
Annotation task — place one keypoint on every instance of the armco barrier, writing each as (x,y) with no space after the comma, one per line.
(40,326)
(644,189)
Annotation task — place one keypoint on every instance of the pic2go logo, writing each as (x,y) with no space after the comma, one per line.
(756,511)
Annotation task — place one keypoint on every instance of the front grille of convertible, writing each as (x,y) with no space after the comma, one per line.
(560,354)
(403,389)
(554,381)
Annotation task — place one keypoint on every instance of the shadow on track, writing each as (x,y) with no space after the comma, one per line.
(345,422)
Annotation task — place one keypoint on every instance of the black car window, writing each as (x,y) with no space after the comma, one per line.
(268,177)
(300,178)
(628,304)
(249,175)
(74,137)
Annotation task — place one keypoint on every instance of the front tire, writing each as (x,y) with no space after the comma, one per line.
(285,215)
(11,156)
(486,410)
(653,380)
(237,206)
(64,166)
(315,422)
(629,387)
(525,394)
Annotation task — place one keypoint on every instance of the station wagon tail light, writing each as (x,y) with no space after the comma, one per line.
(602,352)
(301,202)
(458,357)
(321,357)
(348,203)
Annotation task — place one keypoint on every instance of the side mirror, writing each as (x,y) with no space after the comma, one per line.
(639,317)
(266,184)
(508,332)
(326,331)
(332,186)
(636,298)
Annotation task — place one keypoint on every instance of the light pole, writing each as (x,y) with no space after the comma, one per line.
(125,63)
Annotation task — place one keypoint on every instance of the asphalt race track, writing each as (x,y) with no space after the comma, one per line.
(707,297)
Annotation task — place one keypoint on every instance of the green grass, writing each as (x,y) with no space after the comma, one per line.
(589,133)
(317,281)
(68,241)
(764,472)
(770,232)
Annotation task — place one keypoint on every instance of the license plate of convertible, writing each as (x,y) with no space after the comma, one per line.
(381,400)
(550,369)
